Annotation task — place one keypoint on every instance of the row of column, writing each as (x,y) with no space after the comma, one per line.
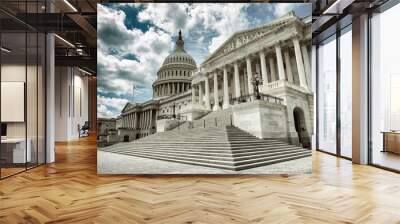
(171,88)
(303,70)
(138,120)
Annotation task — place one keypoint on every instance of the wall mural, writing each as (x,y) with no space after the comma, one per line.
(204,88)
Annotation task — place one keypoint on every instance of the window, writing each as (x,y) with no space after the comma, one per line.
(346,92)
(385,88)
(22,67)
(327,95)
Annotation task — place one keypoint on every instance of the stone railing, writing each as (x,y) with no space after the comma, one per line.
(170,116)
(252,97)
(274,85)
(283,83)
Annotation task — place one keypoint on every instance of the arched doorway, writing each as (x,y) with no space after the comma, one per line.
(301,127)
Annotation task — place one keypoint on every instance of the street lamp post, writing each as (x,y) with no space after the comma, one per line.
(257,81)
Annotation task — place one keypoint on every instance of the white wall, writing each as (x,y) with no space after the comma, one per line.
(71,102)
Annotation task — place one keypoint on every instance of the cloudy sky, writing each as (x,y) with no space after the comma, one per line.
(133,39)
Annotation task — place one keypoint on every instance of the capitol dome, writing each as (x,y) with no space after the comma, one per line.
(174,76)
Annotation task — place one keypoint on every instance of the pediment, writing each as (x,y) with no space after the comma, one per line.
(241,38)
(127,107)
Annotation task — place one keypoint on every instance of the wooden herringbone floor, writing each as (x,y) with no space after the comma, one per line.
(70,191)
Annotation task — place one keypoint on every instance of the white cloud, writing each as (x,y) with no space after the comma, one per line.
(117,72)
(108,106)
(220,19)
(283,8)
(169,17)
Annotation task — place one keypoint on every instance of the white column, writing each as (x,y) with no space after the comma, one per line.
(249,75)
(244,78)
(200,94)
(140,120)
(237,82)
(226,94)
(151,119)
(131,121)
(307,65)
(134,120)
(288,66)
(147,119)
(144,120)
(50,95)
(300,65)
(142,123)
(272,68)
(264,73)
(194,96)
(360,90)
(207,89)
(173,89)
(216,101)
(281,69)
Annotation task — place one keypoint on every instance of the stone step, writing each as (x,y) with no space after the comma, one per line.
(206,146)
(227,167)
(226,156)
(223,160)
(270,162)
(219,142)
(223,164)
(182,157)
(219,147)
(225,151)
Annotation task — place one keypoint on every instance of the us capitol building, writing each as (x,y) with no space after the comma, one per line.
(258,80)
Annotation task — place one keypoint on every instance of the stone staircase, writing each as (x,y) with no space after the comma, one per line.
(219,118)
(224,147)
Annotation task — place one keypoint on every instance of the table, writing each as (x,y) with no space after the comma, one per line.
(13,150)
(391,141)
